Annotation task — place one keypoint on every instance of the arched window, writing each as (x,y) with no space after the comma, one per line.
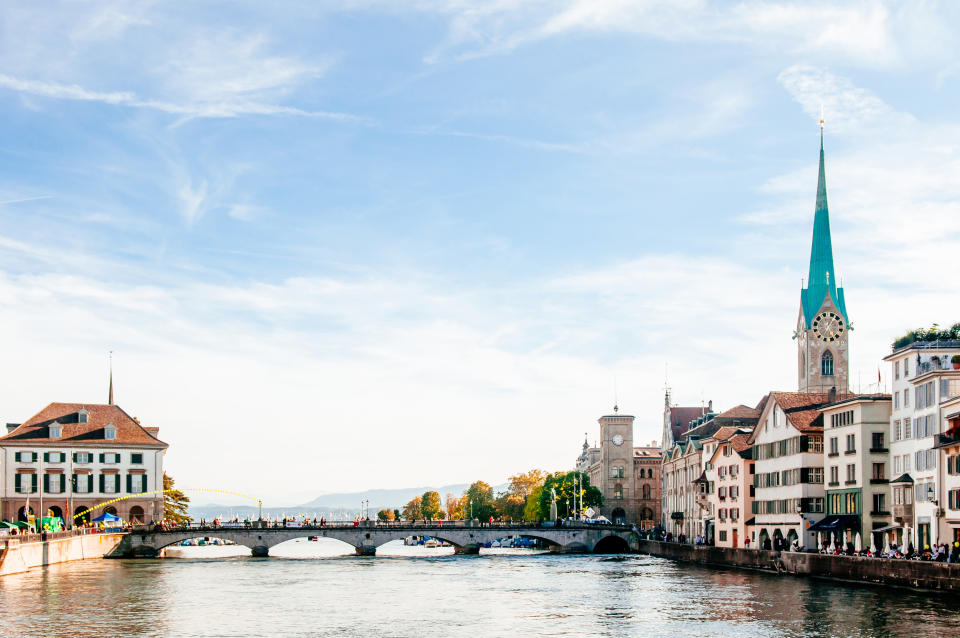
(617,491)
(646,491)
(826,364)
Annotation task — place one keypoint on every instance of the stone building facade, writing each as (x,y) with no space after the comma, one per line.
(627,476)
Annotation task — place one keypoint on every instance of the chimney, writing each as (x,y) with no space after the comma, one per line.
(710,405)
(11,427)
(832,395)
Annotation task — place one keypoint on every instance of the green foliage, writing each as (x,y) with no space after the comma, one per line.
(934,333)
(512,503)
(564,485)
(430,505)
(531,511)
(955,358)
(396,514)
(175,503)
(385,515)
(480,498)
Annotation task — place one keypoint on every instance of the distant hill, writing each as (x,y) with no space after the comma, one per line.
(339,506)
(379,499)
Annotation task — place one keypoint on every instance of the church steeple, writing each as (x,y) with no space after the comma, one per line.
(822,280)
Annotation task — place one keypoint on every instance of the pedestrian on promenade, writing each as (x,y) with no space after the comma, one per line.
(746,543)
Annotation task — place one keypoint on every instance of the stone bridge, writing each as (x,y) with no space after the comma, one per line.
(466,538)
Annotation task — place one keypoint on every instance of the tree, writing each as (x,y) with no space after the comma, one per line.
(385,515)
(396,514)
(512,503)
(531,512)
(564,485)
(430,505)
(452,504)
(413,509)
(480,500)
(175,503)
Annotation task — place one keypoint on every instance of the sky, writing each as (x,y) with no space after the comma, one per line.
(338,246)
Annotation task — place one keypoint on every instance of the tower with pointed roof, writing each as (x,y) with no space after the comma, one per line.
(823,327)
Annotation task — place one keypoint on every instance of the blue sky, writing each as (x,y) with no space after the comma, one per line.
(429,238)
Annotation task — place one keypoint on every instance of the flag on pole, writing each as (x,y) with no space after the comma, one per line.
(878,375)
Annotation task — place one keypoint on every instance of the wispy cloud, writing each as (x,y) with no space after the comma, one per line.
(201,109)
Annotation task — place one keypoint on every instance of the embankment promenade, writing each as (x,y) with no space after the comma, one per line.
(21,553)
(905,573)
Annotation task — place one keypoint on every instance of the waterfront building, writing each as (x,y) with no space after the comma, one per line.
(688,483)
(71,456)
(788,458)
(682,465)
(822,325)
(857,467)
(948,443)
(627,476)
(923,380)
(732,501)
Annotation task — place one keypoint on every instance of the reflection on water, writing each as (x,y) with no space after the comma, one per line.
(318,589)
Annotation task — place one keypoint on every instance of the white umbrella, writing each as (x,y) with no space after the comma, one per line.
(819,541)
(906,539)
(873,545)
(857,543)
(886,542)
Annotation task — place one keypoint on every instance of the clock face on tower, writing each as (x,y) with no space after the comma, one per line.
(828,326)
(618,440)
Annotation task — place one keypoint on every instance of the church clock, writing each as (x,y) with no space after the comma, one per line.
(828,326)
(618,440)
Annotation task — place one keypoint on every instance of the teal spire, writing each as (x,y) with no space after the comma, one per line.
(822,280)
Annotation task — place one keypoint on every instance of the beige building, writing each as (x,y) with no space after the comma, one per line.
(627,476)
(72,456)
(856,461)
(732,497)
(948,443)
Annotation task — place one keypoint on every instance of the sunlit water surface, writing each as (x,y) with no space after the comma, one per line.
(316,589)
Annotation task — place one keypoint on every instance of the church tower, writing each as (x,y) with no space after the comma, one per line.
(823,328)
(616,453)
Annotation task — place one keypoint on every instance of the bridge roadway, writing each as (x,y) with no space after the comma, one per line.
(466,536)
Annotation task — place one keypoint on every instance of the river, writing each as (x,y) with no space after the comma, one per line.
(307,589)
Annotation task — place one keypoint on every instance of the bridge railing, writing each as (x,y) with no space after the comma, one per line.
(384,525)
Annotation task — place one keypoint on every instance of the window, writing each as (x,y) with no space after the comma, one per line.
(83,483)
(896,369)
(54,457)
(82,416)
(906,368)
(617,491)
(616,471)
(25,483)
(851,443)
(646,491)
(25,457)
(906,398)
(906,428)
(877,441)
(879,471)
(879,503)
(110,457)
(834,475)
(834,447)
(735,514)
(82,457)
(56,430)
(733,471)
(110,432)
(826,364)
(722,493)
(896,465)
(53,483)
(852,473)
(109,483)
(136,483)
(723,535)
(906,463)
(137,458)
(896,400)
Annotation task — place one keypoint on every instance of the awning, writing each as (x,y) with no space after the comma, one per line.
(886,528)
(751,521)
(836,522)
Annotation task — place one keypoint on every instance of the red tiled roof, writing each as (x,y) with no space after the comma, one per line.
(36,429)
(806,420)
(792,400)
(680,418)
(740,412)
(740,442)
(725,433)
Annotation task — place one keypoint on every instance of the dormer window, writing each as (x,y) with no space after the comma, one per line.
(56,430)
(110,432)
(82,416)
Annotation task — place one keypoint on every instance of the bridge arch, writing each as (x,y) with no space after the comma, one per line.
(612,544)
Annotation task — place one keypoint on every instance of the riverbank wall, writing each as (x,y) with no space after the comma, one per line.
(905,573)
(19,554)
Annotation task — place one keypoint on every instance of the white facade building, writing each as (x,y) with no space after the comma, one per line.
(70,457)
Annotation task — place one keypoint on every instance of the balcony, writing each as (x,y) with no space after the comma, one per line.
(879,450)
(833,454)
(833,484)
(903,512)
(879,481)
(853,482)
(946,440)
(877,514)
(850,452)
